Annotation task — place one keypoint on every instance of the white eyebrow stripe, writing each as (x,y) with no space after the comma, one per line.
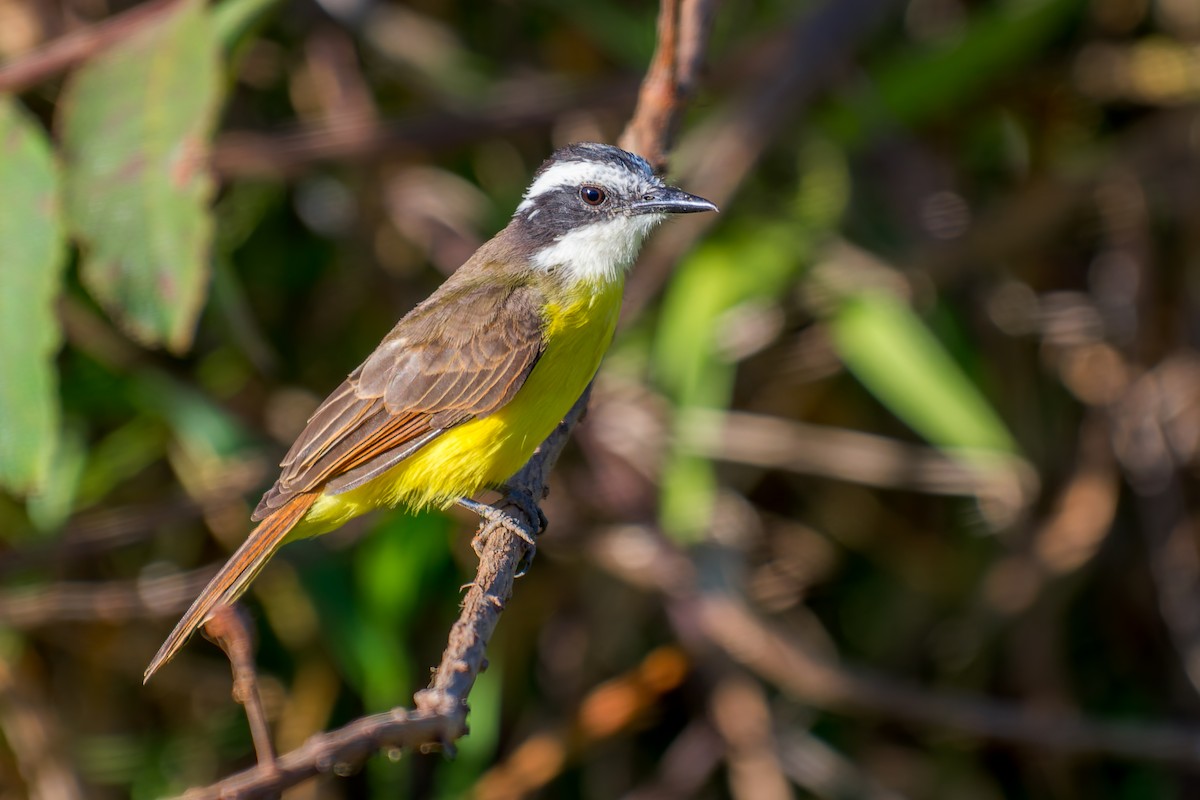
(575,173)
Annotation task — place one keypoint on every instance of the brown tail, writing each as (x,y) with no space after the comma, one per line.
(235,576)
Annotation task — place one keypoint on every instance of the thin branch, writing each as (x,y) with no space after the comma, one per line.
(32,731)
(739,710)
(609,709)
(1141,423)
(818,47)
(499,564)
(230,629)
(686,766)
(105,601)
(857,457)
(656,100)
(805,676)
(252,154)
(716,617)
(339,751)
(441,710)
(73,48)
(823,771)
(683,28)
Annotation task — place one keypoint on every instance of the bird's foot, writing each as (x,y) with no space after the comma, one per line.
(510,523)
(528,505)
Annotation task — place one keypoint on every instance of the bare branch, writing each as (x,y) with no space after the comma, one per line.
(818,46)
(77,46)
(825,772)
(857,457)
(717,617)
(818,682)
(464,656)
(253,154)
(739,710)
(339,751)
(111,601)
(609,709)
(32,733)
(683,27)
(230,629)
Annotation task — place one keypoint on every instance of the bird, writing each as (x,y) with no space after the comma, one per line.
(456,398)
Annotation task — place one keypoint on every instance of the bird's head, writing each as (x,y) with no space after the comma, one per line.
(589,208)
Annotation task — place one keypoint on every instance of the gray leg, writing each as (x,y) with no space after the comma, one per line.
(493,515)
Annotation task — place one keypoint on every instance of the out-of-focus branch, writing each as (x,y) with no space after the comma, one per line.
(31,733)
(1142,423)
(685,766)
(68,50)
(824,771)
(252,154)
(100,531)
(716,617)
(740,713)
(111,601)
(854,456)
(607,710)
(805,676)
(819,45)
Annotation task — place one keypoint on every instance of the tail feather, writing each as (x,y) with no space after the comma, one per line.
(235,576)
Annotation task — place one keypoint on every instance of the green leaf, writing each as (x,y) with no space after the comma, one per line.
(31,261)
(51,507)
(136,123)
(896,357)
(918,83)
(235,20)
(747,265)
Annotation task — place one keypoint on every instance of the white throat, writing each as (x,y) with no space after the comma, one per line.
(600,252)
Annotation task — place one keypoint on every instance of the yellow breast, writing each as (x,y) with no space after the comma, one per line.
(487,451)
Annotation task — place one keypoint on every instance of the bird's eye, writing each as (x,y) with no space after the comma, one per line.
(592,195)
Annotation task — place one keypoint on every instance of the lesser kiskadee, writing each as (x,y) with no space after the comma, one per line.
(467,385)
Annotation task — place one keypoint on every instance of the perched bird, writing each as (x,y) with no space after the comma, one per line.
(467,385)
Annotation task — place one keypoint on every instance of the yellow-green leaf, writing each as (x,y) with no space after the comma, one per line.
(901,362)
(136,124)
(31,259)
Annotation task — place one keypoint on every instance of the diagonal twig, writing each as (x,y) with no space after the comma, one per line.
(230,629)
(70,49)
(819,45)
(713,616)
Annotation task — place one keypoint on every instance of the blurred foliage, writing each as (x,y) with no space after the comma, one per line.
(31,247)
(923,398)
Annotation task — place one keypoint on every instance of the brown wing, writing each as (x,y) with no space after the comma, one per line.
(461,354)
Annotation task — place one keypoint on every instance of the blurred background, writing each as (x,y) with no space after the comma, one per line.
(886,486)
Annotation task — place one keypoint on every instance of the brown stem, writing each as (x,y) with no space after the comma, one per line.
(230,629)
(71,49)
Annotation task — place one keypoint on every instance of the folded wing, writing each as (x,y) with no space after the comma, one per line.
(460,355)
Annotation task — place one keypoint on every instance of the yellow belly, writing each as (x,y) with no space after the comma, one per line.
(487,451)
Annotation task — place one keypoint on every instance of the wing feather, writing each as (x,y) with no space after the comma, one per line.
(462,354)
